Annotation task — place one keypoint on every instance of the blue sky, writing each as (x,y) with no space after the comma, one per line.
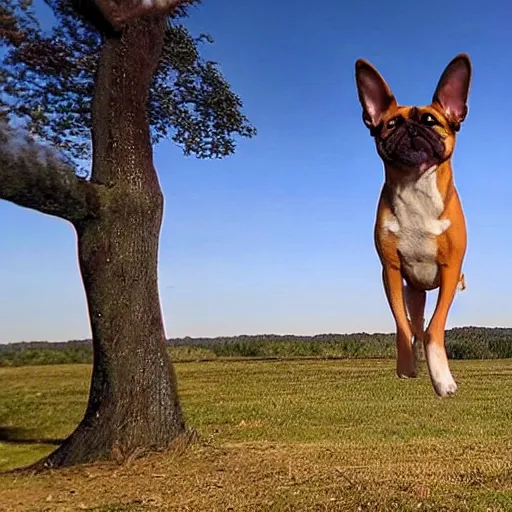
(278,238)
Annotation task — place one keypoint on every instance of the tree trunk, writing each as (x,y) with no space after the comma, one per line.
(133,405)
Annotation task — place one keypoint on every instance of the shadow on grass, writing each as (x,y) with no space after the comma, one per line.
(17,435)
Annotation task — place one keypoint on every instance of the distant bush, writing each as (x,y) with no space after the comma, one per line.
(184,353)
(358,346)
(461,343)
(44,356)
(458,349)
(479,343)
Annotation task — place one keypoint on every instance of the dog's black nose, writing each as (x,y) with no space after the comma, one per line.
(412,130)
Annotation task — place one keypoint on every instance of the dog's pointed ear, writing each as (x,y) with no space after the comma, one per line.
(453,88)
(374,94)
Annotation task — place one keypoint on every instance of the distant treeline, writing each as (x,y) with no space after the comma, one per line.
(461,342)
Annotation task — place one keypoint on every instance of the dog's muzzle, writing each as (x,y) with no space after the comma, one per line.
(412,145)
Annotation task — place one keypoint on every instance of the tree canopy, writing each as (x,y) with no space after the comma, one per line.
(47,79)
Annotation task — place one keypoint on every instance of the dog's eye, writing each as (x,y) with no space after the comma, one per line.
(392,123)
(428,120)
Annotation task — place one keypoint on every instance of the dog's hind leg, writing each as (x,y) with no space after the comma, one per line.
(415,301)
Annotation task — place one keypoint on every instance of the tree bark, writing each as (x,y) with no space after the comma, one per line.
(37,177)
(133,404)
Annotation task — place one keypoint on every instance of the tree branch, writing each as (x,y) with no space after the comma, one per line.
(119,12)
(37,177)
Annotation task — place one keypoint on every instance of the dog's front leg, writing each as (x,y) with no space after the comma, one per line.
(435,351)
(405,358)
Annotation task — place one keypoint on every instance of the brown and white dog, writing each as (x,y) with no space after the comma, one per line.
(420,231)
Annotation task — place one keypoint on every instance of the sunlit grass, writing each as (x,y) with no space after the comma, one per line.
(296,435)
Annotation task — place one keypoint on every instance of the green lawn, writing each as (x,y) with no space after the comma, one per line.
(297,435)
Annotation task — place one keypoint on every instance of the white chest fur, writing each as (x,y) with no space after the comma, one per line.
(417,206)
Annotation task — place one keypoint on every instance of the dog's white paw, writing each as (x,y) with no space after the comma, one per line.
(440,375)
(445,386)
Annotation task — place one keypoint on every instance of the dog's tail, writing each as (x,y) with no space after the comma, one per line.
(462,283)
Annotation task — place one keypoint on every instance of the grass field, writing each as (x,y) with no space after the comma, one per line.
(278,436)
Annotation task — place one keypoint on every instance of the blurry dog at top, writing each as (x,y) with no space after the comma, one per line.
(119,12)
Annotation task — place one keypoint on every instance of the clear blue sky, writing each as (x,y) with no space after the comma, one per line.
(278,238)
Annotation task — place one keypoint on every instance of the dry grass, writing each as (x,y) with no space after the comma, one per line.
(279,436)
